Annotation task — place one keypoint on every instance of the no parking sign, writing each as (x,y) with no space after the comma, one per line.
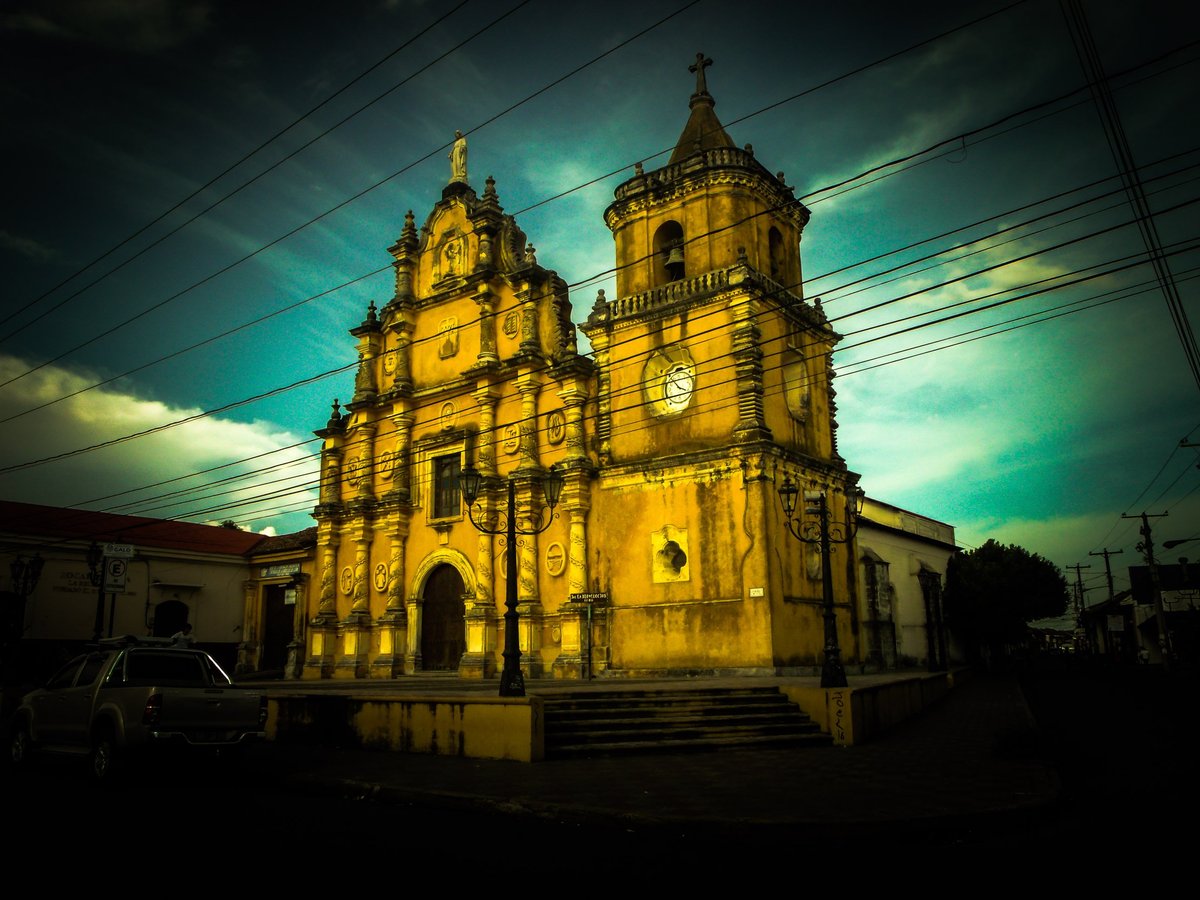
(114,573)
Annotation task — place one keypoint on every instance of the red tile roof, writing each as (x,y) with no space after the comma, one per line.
(62,524)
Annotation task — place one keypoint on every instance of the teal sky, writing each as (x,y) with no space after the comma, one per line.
(250,164)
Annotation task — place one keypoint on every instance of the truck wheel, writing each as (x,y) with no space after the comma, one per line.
(102,759)
(20,746)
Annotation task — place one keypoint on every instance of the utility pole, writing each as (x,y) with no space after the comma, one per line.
(1079,629)
(1106,553)
(1147,548)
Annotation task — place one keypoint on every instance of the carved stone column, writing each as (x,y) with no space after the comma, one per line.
(479,661)
(355,632)
(361,594)
(323,628)
(528,386)
(364,453)
(402,480)
(327,599)
(529,330)
(487,323)
(528,594)
(599,338)
(392,626)
(485,448)
(402,371)
(331,475)
(369,333)
(747,355)
(412,654)
(577,574)
(573,398)
(574,616)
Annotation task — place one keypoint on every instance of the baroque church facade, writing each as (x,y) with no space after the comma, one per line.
(708,386)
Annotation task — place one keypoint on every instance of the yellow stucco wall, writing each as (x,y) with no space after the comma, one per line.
(475,727)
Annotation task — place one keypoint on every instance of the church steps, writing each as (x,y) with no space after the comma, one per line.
(642,721)
(695,745)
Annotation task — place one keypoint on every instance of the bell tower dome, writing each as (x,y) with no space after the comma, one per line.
(709,340)
(697,213)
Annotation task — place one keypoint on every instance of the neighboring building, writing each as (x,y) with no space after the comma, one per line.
(276,603)
(169,573)
(708,388)
(903,558)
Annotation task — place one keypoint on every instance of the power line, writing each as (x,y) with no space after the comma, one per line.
(246,157)
(1110,117)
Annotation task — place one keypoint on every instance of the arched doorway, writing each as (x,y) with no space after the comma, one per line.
(443,620)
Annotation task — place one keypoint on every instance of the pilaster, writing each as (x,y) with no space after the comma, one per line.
(747,355)
(486,301)
(529,385)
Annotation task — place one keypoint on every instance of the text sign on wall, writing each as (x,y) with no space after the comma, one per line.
(118,551)
(594,597)
(280,570)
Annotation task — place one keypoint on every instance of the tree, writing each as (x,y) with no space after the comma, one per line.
(992,592)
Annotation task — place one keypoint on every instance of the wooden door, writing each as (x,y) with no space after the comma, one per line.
(443,620)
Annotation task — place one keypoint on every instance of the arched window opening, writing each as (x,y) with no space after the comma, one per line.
(777,258)
(668,254)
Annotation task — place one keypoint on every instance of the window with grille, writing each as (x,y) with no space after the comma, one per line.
(446,500)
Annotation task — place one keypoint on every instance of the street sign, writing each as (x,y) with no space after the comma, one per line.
(114,574)
(592,597)
(118,551)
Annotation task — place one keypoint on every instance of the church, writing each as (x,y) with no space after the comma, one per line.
(496,503)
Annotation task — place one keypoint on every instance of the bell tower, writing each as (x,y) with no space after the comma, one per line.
(711,200)
(714,391)
(710,339)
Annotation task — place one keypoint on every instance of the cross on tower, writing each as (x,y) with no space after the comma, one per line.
(698,67)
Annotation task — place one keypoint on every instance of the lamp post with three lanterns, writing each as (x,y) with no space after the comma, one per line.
(512,682)
(820,531)
(95,561)
(25,576)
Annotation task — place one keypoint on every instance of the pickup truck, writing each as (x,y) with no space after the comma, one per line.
(136,696)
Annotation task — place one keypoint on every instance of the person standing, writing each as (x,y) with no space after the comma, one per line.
(183,637)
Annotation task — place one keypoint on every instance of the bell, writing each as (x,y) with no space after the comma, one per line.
(675,263)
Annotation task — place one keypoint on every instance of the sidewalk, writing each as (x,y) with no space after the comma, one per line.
(967,762)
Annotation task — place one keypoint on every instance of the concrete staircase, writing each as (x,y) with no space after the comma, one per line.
(620,721)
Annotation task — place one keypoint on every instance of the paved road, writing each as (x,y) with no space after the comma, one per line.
(1124,741)
(1083,762)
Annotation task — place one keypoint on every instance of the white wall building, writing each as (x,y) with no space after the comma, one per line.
(902,571)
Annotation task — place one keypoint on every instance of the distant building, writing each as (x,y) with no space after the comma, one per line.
(167,573)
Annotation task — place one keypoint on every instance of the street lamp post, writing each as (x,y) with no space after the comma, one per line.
(821,532)
(95,561)
(1169,545)
(25,576)
(512,682)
